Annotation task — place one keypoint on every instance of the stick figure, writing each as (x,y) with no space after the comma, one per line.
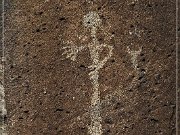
(93,22)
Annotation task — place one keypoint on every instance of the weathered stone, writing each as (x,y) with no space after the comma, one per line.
(90,67)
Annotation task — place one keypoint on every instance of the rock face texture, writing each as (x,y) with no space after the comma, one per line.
(2,100)
(90,67)
(178,65)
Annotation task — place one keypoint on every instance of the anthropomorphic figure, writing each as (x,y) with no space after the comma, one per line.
(93,22)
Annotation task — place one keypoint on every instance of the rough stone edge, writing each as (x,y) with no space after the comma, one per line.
(177,68)
(3,111)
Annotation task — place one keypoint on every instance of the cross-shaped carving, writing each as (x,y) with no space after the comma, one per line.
(92,21)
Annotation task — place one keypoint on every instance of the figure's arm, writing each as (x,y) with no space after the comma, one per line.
(72,51)
(102,63)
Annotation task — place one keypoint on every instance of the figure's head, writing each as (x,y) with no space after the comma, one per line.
(91,20)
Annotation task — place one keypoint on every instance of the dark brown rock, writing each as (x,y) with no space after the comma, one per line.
(47,93)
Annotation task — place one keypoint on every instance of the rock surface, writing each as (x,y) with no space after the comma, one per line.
(90,67)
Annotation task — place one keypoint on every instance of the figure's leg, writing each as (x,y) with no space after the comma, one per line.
(95,111)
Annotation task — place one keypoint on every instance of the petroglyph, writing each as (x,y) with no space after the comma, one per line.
(92,21)
(72,51)
(134,55)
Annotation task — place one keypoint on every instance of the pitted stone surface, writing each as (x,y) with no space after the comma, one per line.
(48,74)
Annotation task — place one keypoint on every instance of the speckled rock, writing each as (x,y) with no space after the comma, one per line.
(90,67)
